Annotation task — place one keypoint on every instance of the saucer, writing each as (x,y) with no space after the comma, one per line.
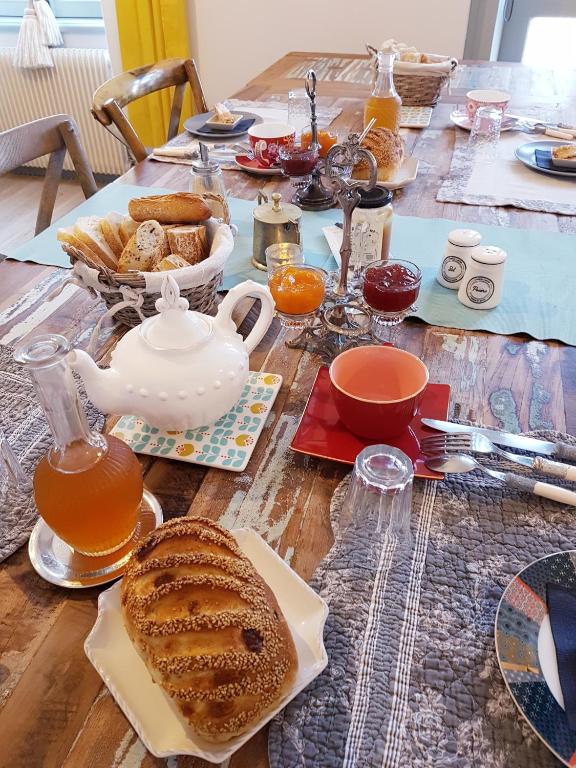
(56,562)
(156,720)
(462,120)
(526,652)
(226,444)
(253,166)
(322,434)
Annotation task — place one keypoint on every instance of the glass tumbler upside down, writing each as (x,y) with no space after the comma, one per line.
(88,488)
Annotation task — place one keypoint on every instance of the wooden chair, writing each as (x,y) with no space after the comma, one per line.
(54,135)
(110,98)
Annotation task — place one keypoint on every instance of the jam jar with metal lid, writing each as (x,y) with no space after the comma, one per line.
(483,282)
(371,226)
(461,243)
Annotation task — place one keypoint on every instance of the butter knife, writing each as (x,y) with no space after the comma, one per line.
(545,447)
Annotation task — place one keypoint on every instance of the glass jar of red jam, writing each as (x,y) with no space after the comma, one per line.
(390,289)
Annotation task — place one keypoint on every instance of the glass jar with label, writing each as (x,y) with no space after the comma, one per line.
(483,282)
(371,227)
(461,243)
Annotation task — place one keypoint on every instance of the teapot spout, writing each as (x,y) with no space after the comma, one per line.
(102,386)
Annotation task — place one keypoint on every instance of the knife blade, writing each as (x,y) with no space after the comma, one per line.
(532,444)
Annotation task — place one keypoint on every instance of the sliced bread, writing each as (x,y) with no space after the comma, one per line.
(147,246)
(189,241)
(87,230)
(126,229)
(110,227)
(173,261)
(66,235)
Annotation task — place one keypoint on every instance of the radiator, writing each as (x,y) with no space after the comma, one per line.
(67,88)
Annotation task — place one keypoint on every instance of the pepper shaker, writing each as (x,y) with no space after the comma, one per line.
(461,244)
(482,285)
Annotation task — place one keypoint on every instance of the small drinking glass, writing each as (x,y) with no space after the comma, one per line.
(298,111)
(390,288)
(282,254)
(298,292)
(485,134)
(379,497)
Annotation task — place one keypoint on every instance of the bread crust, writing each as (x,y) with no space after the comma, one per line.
(208,627)
(189,241)
(172,261)
(176,208)
(388,150)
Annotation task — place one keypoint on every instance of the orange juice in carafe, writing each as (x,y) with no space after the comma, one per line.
(384,103)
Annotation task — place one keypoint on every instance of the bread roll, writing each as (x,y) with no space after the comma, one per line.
(388,151)
(177,208)
(110,227)
(87,230)
(66,235)
(189,242)
(126,229)
(208,627)
(172,261)
(147,246)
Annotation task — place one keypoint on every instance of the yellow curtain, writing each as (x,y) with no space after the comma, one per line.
(149,31)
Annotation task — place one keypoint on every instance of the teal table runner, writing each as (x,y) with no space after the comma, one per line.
(539,283)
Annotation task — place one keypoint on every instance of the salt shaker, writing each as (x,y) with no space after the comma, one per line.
(461,244)
(482,285)
(371,226)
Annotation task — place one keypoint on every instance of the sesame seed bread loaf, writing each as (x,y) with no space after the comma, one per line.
(388,150)
(208,627)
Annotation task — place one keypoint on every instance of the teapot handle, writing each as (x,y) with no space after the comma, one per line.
(247,288)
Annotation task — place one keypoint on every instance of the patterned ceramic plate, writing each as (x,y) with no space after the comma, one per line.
(526,652)
(226,444)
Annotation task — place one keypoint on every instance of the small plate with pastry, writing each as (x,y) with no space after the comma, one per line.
(208,635)
(564,156)
(395,170)
(202,125)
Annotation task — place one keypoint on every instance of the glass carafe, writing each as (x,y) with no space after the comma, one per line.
(88,488)
(384,103)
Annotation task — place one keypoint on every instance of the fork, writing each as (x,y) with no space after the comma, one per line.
(472,441)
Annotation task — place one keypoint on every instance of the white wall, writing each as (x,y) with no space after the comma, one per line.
(233,40)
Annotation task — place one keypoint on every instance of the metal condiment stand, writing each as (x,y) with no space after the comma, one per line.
(343,320)
(314,197)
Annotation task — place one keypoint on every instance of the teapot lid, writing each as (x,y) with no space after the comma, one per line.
(175,327)
(276,212)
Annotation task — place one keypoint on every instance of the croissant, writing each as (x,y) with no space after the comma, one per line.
(208,627)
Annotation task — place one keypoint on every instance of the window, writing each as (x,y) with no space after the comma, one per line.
(550,43)
(70,9)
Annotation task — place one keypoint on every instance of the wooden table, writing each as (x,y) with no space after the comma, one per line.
(55,710)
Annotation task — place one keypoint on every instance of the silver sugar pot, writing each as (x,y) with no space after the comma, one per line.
(274,222)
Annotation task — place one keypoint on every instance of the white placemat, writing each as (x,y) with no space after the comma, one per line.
(506,181)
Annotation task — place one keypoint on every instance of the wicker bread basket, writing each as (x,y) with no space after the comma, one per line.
(137,292)
(419,85)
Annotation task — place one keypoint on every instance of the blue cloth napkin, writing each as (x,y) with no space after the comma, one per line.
(562,611)
(544,160)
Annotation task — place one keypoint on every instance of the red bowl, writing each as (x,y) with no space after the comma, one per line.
(377,390)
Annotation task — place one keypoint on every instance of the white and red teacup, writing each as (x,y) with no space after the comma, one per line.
(266,140)
(489,97)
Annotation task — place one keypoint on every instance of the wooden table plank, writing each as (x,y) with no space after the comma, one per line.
(55,711)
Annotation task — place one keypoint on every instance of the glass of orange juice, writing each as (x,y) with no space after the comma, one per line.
(298,291)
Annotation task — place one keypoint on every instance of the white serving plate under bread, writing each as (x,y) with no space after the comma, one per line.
(161,728)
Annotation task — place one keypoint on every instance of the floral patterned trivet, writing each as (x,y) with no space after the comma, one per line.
(227,444)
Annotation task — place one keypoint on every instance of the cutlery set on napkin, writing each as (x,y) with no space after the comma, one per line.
(450,452)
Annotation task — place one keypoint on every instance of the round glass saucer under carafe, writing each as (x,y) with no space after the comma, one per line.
(56,562)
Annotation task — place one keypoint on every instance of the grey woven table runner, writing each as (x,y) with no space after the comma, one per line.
(412,678)
(25,426)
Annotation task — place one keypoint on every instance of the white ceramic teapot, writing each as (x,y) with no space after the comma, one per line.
(179,369)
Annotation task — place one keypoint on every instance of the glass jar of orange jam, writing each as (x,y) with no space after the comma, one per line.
(326,139)
(297,289)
